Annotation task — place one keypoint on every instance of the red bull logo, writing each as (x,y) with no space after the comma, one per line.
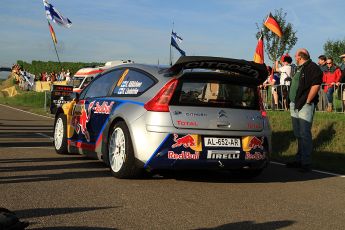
(255,143)
(81,118)
(104,108)
(184,155)
(255,156)
(185,141)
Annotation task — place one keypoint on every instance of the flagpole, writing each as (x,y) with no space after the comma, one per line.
(54,46)
(171,57)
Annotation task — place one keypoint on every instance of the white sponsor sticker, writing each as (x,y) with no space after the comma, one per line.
(223,154)
(222,142)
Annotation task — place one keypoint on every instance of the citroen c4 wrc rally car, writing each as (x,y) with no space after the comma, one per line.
(200,113)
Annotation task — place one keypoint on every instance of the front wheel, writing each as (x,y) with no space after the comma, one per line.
(60,134)
(120,152)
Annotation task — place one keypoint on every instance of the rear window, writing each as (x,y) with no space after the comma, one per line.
(221,94)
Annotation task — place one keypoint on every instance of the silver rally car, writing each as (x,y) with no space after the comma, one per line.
(200,113)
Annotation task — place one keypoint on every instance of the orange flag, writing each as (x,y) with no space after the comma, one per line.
(259,51)
(52,33)
(273,25)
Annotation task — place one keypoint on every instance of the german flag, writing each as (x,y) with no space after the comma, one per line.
(273,25)
(259,51)
(52,33)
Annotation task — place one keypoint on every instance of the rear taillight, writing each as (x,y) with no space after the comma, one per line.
(160,103)
(261,104)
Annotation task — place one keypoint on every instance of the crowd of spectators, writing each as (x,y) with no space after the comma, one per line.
(26,80)
(52,77)
(280,76)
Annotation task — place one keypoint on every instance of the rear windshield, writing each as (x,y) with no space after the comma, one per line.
(208,93)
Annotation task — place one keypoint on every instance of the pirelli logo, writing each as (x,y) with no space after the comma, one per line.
(223,154)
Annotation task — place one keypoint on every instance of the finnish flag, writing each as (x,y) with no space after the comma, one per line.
(174,39)
(53,14)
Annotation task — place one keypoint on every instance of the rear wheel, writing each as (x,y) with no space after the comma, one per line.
(120,152)
(60,134)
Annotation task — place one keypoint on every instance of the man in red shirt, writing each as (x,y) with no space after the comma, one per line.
(331,77)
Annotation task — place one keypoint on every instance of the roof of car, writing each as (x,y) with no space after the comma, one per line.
(257,72)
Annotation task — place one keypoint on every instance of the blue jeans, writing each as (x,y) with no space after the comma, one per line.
(301,123)
(329,94)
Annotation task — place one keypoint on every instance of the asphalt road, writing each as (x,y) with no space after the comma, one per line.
(71,192)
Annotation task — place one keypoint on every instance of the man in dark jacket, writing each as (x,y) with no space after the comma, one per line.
(303,95)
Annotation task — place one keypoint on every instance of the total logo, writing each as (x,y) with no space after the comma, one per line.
(187,123)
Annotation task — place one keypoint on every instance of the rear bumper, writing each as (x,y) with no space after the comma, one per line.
(188,151)
(215,165)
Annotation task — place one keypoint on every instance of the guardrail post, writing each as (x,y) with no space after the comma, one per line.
(45,100)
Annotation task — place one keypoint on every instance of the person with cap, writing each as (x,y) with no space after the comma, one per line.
(303,95)
(331,78)
(285,78)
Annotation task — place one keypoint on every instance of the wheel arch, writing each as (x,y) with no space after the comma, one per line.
(106,133)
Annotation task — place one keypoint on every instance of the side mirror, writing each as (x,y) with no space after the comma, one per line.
(75,96)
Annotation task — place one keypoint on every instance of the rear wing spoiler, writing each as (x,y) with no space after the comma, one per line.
(251,69)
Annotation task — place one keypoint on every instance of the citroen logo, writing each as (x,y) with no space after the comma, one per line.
(222,114)
(177,112)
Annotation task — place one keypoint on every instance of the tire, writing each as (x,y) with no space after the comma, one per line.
(120,155)
(60,134)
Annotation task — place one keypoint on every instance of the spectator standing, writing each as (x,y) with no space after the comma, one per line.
(331,78)
(303,95)
(53,77)
(68,77)
(322,62)
(62,75)
(341,84)
(272,81)
(322,96)
(285,78)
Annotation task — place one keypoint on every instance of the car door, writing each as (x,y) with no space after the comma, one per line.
(93,109)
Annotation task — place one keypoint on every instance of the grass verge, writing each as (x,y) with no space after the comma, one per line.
(29,101)
(328,140)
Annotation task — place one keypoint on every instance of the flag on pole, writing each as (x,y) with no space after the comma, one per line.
(259,51)
(52,33)
(174,39)
(54,15)
(272,24)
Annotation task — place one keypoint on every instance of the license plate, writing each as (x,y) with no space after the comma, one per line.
(222,142)
(224,155)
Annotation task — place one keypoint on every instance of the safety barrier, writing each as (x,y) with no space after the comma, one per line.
(276,98)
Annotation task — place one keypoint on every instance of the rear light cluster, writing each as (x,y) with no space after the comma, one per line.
(261,104)
(160,102)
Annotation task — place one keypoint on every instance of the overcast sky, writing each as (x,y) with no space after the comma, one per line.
(140,29)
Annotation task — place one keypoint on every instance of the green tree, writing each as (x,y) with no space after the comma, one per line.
(334,49)
(275,47)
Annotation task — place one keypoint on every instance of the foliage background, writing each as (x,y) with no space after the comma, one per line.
(37,67)
(334,49)
(275,47)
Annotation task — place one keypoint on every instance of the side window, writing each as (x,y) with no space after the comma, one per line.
(100,86)
(133,83)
